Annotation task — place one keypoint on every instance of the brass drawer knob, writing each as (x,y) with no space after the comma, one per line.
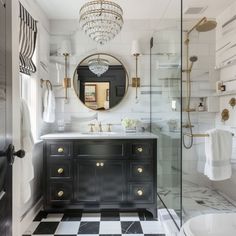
(60,150)
(60,193)
(140,170)
(140,149)
(100,164)
(60,170)
(140,192)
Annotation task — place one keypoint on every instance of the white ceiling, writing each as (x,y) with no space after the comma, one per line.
(135,9)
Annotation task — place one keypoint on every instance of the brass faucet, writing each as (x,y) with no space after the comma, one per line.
(100,127)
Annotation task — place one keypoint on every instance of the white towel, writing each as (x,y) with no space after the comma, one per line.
(218,150)
(49,106)
(27,144)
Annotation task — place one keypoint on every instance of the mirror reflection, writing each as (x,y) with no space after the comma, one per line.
(100,81)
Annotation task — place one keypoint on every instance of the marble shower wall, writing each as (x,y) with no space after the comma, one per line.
(226,51)
(203,77)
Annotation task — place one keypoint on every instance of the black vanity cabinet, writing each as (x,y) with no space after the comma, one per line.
(100,174)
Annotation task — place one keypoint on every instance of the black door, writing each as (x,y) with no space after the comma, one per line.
(5,168)
(6,149)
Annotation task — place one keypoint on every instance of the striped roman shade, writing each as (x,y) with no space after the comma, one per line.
(28,36)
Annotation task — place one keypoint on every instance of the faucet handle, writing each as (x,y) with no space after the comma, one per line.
(91,128)
(109,127)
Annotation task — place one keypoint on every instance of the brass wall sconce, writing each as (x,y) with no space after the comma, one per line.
(232,102)
(65,50)
(135,51)
(225,115)
(66,81)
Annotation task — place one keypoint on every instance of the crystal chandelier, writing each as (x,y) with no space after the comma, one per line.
(98,66)
(101,20)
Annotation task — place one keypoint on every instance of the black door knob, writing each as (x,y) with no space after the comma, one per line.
(10,153)
(19,153)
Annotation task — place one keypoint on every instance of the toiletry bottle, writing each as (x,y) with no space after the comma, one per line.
(222,88)
(200,107)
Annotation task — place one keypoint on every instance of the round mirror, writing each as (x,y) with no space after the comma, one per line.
(100,81)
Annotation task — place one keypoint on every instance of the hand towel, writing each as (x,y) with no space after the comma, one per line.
(27,144)
(218,150)
(49,107)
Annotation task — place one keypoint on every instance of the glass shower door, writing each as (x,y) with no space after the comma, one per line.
(166,114)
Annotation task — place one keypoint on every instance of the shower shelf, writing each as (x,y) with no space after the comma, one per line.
(227,93)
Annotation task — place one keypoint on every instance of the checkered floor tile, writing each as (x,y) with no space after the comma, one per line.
(95,224)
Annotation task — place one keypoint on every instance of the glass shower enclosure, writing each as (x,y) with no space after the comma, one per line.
(165,69)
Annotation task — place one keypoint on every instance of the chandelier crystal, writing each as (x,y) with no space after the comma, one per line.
(101,20)
(98,66)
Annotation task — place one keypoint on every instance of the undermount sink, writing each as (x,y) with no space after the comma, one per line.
(100,133)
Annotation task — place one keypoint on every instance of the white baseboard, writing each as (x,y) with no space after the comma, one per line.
(29,216)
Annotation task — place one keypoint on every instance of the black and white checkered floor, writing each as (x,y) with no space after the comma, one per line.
(95,224)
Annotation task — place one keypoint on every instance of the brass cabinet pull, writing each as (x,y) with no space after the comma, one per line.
(60,193)
(100,164)
(140,170)
(60,150)
(140,149)
(60,170)
(140,192)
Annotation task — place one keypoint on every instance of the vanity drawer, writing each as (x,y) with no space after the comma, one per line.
(141,192)
(60,192)
(98,149)
(141,149)
(61,169)
(59,149)
(140,171)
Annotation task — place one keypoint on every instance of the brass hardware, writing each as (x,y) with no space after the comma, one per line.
(60,150)
(134,81)
(232,102)
(100,127)
(100,164)
(60,170)
(66,81)
(91,128)
(47,82)
(187,126)
(140,149)
(140,170)
(60,193)
(199,135)
(225,115)
(109,127)
(140,192)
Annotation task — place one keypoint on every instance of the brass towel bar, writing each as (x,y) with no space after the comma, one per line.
(199,135)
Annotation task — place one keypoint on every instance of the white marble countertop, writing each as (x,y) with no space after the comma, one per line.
(103,135)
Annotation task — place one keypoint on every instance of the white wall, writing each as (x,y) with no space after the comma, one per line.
(19,209)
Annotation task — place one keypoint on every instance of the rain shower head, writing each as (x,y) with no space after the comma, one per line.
(206,25)
(203,25)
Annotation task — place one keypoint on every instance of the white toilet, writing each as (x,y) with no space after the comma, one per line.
(222,224)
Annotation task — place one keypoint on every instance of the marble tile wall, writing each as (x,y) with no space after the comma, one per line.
(120,47)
